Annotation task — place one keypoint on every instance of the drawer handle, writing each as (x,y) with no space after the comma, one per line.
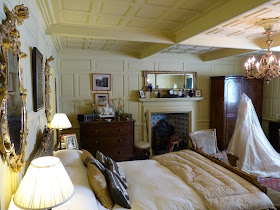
(96,142)
(96,131)
(120,140)
(120,152)
(121,130)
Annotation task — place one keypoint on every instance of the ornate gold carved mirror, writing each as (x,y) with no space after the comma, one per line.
(166,80)
(13,115)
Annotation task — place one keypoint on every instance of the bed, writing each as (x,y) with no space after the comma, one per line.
(166,182)
(178,180)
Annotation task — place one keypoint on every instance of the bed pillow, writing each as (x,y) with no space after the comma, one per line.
(99,186)
(101,157)
(70,158)
(92,160)
(113,166)
(117,190)
(84,157)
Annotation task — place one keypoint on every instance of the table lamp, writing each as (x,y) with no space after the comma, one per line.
(60,121)
(45,185)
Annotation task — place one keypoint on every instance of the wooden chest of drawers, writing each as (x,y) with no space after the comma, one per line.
(114,139)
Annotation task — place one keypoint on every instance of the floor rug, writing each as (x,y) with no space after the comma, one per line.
(269,182)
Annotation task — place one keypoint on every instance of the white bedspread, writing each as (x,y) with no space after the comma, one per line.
(153,186)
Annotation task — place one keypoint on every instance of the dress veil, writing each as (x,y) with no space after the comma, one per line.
(249,143)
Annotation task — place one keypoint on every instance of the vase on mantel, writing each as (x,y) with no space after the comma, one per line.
(190,93)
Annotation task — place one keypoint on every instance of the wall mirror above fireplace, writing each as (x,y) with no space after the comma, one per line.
(166,80)
(13,114)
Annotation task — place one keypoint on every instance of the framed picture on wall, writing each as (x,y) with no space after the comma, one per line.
(38,79)
(101,82)
(100,99)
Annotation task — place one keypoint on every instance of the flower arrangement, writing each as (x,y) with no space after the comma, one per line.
(95,108)
(117,108)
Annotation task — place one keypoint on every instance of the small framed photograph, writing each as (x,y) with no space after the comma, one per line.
(101,81)
(198,93)
(141,94)
(100,99)
(71,141)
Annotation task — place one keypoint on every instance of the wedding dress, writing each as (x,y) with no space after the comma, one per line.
(249,143)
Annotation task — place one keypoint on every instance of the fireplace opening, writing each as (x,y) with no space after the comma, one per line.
(169,132)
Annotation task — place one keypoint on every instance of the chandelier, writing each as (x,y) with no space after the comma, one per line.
(268,67)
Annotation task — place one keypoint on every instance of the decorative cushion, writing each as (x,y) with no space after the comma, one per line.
(99,186)
(113,166)
(101,157)
(118,192)
(70,158)
(222,156)
(85,154)
(95,162)
(205,138)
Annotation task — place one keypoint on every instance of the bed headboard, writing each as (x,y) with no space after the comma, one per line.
(47,146)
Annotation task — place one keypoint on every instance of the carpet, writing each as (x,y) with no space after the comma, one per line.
(269,182)
(273,189)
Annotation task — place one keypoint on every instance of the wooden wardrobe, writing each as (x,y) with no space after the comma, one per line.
(226,93)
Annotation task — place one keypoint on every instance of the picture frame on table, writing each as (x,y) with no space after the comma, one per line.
(100,99)
(198,93)
(141,94)
(101,82)
(71,141)
(38,79)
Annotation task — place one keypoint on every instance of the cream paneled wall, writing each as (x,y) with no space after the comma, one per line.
(271,102)
(75,79)
(32,35)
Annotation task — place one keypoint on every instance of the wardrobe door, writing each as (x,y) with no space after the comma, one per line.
(234,87)
(254,90)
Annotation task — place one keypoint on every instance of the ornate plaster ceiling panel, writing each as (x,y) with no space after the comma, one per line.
(188,49)
(147,27)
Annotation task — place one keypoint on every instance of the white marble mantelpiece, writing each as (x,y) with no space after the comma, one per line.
(186,99)
(167,105)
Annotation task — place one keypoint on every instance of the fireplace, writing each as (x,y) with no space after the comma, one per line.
(169,132)
(161,106)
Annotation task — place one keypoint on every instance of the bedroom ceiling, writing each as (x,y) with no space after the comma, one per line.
(212,29)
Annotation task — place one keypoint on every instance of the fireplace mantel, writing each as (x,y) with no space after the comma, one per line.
(186,99)
(167,105)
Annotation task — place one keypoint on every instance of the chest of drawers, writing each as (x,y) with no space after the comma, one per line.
(114,139)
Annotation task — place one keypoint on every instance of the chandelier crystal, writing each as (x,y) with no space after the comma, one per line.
(268,67)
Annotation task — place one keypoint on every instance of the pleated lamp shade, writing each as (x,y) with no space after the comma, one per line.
(45,185)
(60,121)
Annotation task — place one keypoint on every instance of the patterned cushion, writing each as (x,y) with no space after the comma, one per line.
(99,186)
(118,192)
(113,166)
(84,156)
(101,158)
(205,138)
(95,162)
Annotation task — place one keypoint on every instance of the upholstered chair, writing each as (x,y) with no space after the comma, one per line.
(206,141)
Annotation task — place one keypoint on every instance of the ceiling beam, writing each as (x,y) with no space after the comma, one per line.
(107,33)
(222,42)
(222,53)
(209,20)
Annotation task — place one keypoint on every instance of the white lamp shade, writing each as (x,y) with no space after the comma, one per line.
(60,121)
(46,184)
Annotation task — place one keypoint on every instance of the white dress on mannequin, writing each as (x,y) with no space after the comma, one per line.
(249,143)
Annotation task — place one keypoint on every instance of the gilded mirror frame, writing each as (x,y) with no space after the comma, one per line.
(48,91)
(9,41)
(146,73)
